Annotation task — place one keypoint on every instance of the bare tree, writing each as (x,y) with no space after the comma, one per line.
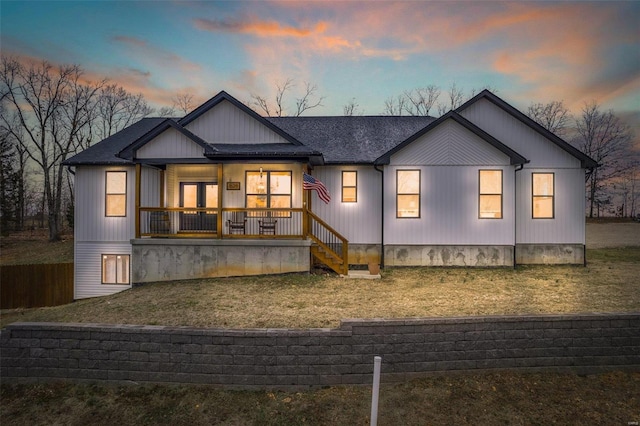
(394,105)
(603,137)
(351,108)
(307,101)
(116,109)
(553,116)
(183,102)
(420,101)
(52,107)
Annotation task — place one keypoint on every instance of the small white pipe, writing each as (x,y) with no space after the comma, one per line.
(377,361)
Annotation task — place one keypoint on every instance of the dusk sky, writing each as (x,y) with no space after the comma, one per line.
(528,51)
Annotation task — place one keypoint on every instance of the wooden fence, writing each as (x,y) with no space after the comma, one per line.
(32,286)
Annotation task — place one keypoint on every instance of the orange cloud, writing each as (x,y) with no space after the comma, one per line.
(257,28)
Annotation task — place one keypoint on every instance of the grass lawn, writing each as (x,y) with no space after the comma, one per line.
(470,399)
(608,284)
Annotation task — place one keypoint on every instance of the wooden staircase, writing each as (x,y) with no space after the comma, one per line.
(329,247)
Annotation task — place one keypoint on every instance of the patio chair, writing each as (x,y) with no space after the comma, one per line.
(159,222)
(238,223)
(267,226)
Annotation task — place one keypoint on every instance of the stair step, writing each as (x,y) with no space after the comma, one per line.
(361,274)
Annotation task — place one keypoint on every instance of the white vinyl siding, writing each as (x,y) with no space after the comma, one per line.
(449,144)
(88,268)
(226,123)
(568,224)
(449,214)
(518,136)
(90,223)
(171,144)
(359,222)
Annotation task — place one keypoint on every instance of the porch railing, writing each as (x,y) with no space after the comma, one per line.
(330,247)
(179,222)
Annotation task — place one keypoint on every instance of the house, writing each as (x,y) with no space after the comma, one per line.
(219,192)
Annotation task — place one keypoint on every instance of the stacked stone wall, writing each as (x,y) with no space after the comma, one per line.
(284,358)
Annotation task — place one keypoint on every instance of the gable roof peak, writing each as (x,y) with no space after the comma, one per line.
(585,160)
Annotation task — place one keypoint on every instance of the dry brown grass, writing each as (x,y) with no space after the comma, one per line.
(470,399)
(29,247)
(608,284)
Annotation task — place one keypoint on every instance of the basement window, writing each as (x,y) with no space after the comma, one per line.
(490,194)
(408,193)
(543,192)
(115,269)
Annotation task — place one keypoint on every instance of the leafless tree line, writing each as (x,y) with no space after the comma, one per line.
(605,138)
(48,113)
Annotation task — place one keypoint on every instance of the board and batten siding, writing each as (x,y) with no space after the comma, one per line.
(449,159)
(449,199)
(540,151)
(225,123)
(171,144)
(449,144)
(150,186)
(568,225)
(88,268)
(90,221)
(360,222)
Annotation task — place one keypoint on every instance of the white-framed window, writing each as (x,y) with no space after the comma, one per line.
(543,195)
(490,194)
(408,193)
(115,194)
(115,268)
(349,186)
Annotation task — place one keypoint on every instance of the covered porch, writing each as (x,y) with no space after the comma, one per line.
(245,204)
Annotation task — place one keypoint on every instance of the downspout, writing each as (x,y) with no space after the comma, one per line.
(515,212)
(375,166)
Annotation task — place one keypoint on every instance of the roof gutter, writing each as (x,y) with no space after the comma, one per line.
(375,166)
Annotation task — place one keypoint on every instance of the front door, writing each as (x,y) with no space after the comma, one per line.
(198,195)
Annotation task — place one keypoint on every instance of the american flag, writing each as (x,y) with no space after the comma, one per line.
(313,184)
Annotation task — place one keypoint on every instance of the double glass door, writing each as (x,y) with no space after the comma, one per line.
(198,195)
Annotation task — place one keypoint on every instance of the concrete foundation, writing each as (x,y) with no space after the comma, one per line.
(363,254)
(550,254)
(167,260)
(436,255)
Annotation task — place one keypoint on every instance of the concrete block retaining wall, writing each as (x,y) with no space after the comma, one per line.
(282,358)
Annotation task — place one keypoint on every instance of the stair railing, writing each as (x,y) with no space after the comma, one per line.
(332,243)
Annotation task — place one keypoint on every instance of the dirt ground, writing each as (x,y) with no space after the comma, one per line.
(602,235)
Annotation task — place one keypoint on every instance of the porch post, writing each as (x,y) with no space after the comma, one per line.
(220,190)
(161,188)
(138,178)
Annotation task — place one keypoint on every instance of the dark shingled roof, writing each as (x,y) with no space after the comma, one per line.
(353,139)
(104,152)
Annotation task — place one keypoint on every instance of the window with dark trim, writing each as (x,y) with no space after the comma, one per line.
(407,193)
(115,269)
(115,194)
(490,194)
(269,189)
(349,186)
(543,195)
